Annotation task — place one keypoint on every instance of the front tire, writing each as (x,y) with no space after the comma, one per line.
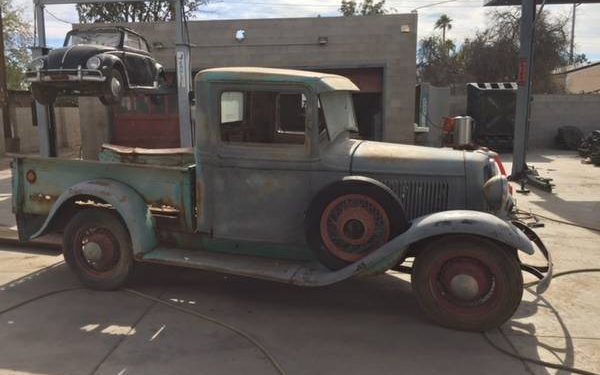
(114,88)
(97,247)
(467,282)
(44,95)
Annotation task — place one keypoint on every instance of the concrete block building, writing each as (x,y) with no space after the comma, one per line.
(376,52)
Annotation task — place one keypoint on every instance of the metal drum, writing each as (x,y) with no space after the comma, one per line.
(463,130)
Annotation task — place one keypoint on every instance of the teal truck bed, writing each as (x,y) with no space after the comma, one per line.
(39,182)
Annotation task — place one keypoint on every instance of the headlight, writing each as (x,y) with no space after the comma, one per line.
(93,62)
(37,64)
(496,192)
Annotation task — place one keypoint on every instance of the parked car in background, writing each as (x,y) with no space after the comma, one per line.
(105,62)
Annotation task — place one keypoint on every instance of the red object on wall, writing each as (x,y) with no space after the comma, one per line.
(146,121)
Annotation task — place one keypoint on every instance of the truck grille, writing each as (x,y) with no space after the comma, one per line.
(420,196)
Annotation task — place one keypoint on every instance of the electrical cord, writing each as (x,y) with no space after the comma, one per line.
(229,327)
(539,361)
(268,354)
(535,214)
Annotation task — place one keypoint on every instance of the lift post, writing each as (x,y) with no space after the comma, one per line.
(45,114)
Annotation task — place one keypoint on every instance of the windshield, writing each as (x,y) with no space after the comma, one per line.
(339,112)
(110,39)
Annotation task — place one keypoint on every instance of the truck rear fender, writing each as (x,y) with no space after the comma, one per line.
(124,199)
(466,222)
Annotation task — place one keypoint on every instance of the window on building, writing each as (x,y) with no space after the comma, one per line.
(263,117)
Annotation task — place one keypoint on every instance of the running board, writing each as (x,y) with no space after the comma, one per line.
(242,265)
(284,271)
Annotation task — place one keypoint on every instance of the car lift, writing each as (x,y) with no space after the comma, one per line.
(45,114)
(520,170)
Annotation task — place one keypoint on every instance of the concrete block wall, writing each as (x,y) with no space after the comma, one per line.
(548,113)
(388,42)
(67,129)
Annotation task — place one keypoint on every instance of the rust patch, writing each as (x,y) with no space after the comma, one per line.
(43,198)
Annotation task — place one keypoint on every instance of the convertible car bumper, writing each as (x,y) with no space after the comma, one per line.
(65,75)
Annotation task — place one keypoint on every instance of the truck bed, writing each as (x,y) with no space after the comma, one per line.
(166,190)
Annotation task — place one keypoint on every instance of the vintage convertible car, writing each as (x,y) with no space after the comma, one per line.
(103,62)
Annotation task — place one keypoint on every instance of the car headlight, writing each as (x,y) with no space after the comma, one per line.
(496,192)
(93,62)
(37,64)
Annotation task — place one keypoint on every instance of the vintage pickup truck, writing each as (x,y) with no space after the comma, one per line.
(276,188)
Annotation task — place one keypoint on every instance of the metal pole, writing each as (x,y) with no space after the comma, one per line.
(3,86)
(572,33)
(46,135)
(524,90)
(184,76)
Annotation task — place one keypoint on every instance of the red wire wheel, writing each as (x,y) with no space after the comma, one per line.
(353,225)
(97,247)
(351,218)
(467,282)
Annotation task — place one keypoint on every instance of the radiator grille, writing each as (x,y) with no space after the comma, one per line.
(420,197)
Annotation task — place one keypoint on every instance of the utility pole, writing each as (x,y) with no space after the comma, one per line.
(571,56)
(3,87)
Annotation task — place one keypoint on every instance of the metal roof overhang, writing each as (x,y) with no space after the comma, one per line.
(495,3)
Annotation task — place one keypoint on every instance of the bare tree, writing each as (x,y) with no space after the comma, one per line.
(366,8)
(149,11)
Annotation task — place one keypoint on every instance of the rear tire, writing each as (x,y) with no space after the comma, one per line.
(467,282)
(97,247)
(43,94)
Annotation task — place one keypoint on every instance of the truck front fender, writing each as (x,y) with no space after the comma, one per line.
(468,222)
(124,199)
(437,224)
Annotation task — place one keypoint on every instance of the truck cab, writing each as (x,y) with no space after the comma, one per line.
(278,187)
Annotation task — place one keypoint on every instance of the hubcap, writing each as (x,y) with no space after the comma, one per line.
(464,287)
(115,86)
(465,281)
(99,250)
(92,252)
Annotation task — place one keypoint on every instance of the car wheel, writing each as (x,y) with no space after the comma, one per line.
(349,220)
(114,89)
(44,95)
(97,247)
(467,282)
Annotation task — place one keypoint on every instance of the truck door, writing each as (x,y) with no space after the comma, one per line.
(260,177)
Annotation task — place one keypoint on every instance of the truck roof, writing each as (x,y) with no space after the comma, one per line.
(319,82)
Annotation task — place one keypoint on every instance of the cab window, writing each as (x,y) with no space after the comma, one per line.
(132,41)
(263,117)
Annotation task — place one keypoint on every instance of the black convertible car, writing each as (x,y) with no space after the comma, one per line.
(103,62)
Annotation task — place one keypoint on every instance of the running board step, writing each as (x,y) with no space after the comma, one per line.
(278,270)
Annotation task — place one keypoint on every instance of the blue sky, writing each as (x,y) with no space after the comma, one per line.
(468,16)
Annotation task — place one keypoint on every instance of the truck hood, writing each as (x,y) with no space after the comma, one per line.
(71,57)
(392,158)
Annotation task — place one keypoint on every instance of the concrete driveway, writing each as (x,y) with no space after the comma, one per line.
(366,326)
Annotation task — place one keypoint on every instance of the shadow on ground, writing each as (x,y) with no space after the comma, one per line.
(360,326)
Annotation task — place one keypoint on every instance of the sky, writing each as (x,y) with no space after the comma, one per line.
(468,16)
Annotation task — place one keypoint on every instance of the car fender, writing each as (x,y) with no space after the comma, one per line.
(125,200)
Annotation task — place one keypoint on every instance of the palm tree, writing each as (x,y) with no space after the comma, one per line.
(444,23)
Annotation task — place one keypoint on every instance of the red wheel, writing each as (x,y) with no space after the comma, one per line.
(97,247)
(467,282)
(353,225)
(349,219)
